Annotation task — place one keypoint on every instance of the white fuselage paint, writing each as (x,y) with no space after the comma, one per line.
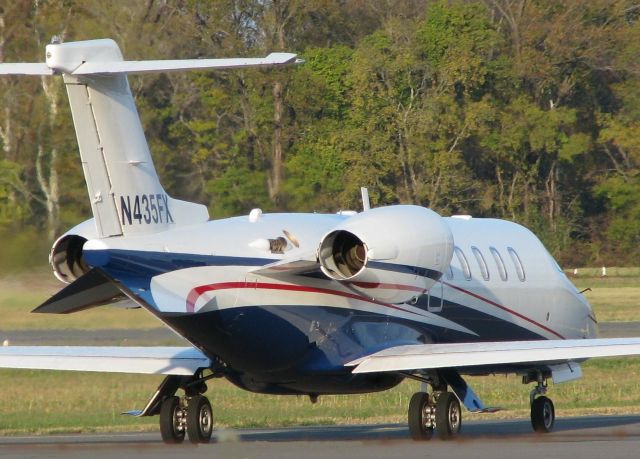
(545,302)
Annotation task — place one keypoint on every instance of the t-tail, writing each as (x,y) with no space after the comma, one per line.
(125,192)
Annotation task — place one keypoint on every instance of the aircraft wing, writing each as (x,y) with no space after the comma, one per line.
(306,264)
(110,359)
(432,356)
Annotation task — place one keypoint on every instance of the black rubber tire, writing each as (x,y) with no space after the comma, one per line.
(199,419)
(543,415)
(448,416)
(417,405)
(170,430)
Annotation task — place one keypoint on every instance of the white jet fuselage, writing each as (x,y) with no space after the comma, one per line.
(275,329)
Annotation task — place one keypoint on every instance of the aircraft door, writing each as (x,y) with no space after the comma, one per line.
(435,298)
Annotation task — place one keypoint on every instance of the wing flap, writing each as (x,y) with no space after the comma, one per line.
(108,359)
(433,356)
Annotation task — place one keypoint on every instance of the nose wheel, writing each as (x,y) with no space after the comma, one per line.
(543,414)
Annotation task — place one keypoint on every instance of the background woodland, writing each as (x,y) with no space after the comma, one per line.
(527,110)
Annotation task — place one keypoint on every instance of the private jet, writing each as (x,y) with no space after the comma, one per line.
(304,304)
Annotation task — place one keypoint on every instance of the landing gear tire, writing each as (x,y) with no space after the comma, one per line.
(172,422)
(199,419)
(448,416)
(420,417)
(543,414)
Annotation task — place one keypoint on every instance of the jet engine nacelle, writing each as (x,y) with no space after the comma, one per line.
(392,254)
(66,254)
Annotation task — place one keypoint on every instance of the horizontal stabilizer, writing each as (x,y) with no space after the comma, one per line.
(88,291)
(109,359)
(431,356)
(152,66)
(25,69)
(81,65)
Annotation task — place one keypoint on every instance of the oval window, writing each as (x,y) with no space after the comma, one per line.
(463,262)
(502,269)
(484,270)
(517,263)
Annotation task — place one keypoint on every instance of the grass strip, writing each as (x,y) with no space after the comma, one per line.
(56,402)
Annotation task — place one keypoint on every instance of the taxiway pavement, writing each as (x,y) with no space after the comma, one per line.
(609,437)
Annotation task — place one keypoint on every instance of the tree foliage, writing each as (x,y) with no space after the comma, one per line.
(527,110)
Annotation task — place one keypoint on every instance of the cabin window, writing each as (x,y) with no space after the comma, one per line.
(481,263)
(463,262)
(502,270)
(517,263)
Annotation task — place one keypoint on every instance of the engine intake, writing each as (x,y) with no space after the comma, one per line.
(392,253)
(343,253)
(66,258)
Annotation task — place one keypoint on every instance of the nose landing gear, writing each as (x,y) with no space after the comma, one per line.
(543,414)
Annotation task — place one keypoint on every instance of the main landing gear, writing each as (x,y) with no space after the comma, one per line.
(187,415)
(437,412)
(190,415)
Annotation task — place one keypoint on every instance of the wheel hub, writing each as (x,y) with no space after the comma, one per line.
(454,417)
(429,416)
(180,420)
(205,419)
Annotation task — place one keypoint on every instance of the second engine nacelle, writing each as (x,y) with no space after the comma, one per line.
(392,254)
(66,256)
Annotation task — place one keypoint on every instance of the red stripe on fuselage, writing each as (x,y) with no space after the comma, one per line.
(195,294)
(504,308)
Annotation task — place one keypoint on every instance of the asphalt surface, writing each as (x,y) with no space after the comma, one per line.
(589,437)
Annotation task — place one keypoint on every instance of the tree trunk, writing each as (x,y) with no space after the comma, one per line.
(277,156)
(283,11)
(50,185)
(552,198)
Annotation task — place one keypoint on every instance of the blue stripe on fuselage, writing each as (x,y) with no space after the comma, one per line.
(406,269)
(135,268)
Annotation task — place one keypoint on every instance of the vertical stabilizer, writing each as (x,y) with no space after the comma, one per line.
(126,195)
